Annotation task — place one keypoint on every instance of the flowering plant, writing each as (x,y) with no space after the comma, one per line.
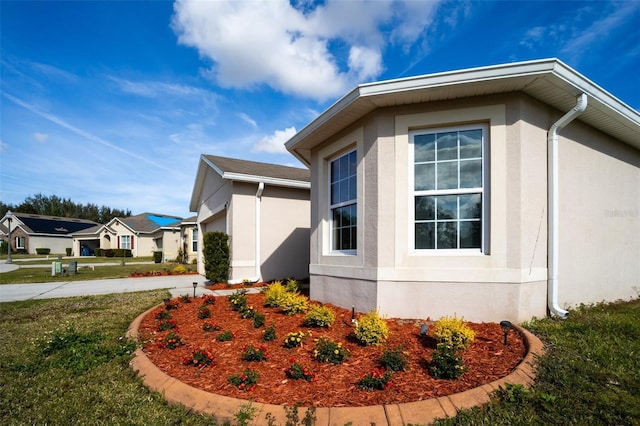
(210,326)
(170,304)
(238,300)
(247,381)
(225,336)
(199,358)
(167,324)
(294,339)
(203,312)
(171,341)
(297,371)
(185,298)
(251,353)
(269,333)
(209,299)
(376,379)
(162,314)
(330,351)
(247,312)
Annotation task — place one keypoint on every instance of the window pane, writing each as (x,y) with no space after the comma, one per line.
(447,175)
(344,191)
(425,177)
(471,206)
(344,167)
(335,193)
(336,239)
(335,171)
(346,239)
(425,235)
(447,235)
(354,238)
(353,165)
(447,207)
(471,144)
(447,146)
(352,188)
(470,234)
(425,208)
(471,174)
(353,209)
(424,148)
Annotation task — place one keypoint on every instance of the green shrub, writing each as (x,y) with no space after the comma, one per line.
(274,294)
(107,252)
(292,285)
(453,332)
(216,256)
(294,303)
(97,251)
(394,359)
(295,339)
(377,379)
(329,351)
(446,363)
(371,329)
(238,300)
(68,251)
(43,250)
(203,312)
(258,320)
(320,316)
(225,336)
(122,253)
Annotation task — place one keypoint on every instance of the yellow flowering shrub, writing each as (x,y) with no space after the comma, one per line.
(453,332)
(371,329)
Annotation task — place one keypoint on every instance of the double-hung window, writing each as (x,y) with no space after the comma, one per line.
(449,194)
(125,242)
(343,203)
(20,241)
(194,240)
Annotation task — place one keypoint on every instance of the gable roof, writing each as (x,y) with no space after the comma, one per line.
(50,225)
(548,80)
(147,223)
(249,171)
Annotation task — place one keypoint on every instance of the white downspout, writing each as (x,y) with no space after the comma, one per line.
(257,277)
(553,206)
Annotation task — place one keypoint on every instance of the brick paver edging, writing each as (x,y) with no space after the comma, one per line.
(423,412)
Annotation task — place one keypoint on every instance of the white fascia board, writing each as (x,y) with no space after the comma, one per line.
(239,177)
(199,182)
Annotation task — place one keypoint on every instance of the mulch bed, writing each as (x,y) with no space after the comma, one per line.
(487,358)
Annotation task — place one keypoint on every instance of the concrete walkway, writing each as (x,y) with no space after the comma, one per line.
(176,284)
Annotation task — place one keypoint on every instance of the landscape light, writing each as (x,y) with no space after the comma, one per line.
(195,284)
(505,326)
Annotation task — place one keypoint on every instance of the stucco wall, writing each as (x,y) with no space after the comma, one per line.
(57,244)
(507,281)
(599,256)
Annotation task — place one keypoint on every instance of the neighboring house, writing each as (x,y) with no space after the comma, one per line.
(142,234)
(32,231)
(429,194)
(264,208)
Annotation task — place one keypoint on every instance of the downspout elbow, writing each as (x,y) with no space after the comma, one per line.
(553,205)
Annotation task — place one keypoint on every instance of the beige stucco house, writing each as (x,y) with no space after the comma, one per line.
(264,208)
(32,231)
(492,193)
(142,234)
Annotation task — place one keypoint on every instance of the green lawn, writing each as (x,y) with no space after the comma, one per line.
(66,361)
(41,275)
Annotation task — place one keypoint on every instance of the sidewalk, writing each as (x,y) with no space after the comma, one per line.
(176,284)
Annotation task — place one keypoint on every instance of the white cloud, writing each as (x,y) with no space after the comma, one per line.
(244,117)
(275,143)
(316,51)
(40,137)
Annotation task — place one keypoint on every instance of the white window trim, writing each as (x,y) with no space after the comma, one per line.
(484,244)
(18,245)
(194,240)
(122,242)
(330,206)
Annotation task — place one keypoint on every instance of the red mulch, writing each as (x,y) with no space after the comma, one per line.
(487,358)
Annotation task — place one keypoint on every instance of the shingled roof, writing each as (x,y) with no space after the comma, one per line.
(233,166)
(149,222)
(52,225)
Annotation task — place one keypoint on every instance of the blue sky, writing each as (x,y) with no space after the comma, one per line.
(113,103)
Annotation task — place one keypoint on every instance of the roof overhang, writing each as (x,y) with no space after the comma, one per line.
(205,163)
(548,80)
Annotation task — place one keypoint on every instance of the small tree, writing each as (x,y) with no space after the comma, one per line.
(216,256)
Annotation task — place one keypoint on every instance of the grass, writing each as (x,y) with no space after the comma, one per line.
(590,374)
(63,359)
(41,275)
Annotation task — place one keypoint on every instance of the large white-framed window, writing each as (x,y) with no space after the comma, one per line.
(194,240)
(20,243)
(125,242)
(450,188)
(343,206)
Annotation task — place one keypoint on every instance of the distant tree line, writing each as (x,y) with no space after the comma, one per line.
(63,207)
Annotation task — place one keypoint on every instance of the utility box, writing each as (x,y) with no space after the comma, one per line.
(73,267)
(56,268)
